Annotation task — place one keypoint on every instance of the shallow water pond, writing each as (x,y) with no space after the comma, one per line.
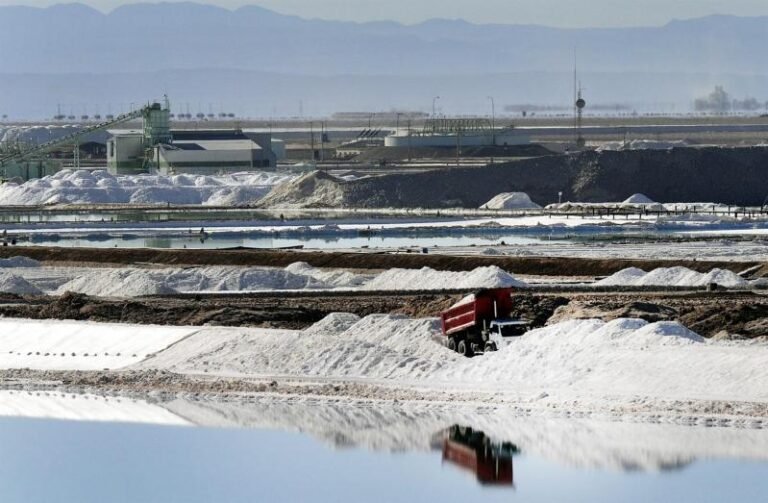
(352,452)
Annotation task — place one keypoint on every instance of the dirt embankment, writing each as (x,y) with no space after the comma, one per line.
(547,266)
(725,175)
(726,315)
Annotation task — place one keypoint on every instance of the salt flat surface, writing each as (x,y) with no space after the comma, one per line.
(75,345)
(600,364)
(84,407)
(99,187)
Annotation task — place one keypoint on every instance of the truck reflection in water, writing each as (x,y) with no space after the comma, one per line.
(474,451)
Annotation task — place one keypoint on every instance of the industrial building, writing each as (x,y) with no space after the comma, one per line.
(442,133)
(193,151)
(155,148)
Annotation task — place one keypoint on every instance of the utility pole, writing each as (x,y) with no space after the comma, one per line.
(458,147)
(409,138)
(322,141)
(312,140)
(493,120)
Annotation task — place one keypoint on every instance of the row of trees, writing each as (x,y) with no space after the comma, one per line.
(720,101)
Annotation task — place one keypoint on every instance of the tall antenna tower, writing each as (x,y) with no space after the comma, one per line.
(578,106)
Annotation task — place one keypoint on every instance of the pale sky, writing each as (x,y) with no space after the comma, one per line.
(564,13)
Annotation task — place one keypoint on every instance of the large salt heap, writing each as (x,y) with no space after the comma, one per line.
(511,201)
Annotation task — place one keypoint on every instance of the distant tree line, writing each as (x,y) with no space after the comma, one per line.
(720,101)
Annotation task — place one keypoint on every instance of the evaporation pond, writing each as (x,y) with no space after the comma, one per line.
(165,459)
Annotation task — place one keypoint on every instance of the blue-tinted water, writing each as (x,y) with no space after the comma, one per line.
(45,461)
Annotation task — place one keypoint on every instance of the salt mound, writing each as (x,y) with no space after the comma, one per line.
(668,333)
(670,276)
(511,201)
(377,346)
(331,277)
(19,262)
(724,277)
(673,276)
(264,279)
(430,279)
(625,277)
(99,187)
(117,283)
(333,324)
(315,189)
(10,283)
(639,199)
(571,351)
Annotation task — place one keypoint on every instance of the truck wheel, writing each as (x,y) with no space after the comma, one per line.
(490,346)
(451,344)
(465,349)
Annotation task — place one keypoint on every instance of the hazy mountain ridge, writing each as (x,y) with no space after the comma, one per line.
(254,61)
(76,38)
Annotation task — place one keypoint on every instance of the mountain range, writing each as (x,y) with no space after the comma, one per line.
(190,50)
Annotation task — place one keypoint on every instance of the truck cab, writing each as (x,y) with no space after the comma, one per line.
(501,329)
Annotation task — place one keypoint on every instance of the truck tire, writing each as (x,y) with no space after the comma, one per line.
(465,349)
(490,346)
(451,344)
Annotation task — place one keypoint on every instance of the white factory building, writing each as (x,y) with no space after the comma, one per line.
(195,151)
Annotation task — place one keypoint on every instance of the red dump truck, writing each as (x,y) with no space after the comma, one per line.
(478,322)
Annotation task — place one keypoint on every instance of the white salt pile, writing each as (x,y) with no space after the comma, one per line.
(377,346)
(129,282)
(567,351)
(333,324)
(638,199)
(511,201)
(117,283)
(673,276)
(335,278)
(99,187)
(11,283)
(430,279)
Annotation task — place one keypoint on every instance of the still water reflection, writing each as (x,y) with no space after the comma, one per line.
(83,448)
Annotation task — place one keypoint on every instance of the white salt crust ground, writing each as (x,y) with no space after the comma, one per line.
(623,362)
